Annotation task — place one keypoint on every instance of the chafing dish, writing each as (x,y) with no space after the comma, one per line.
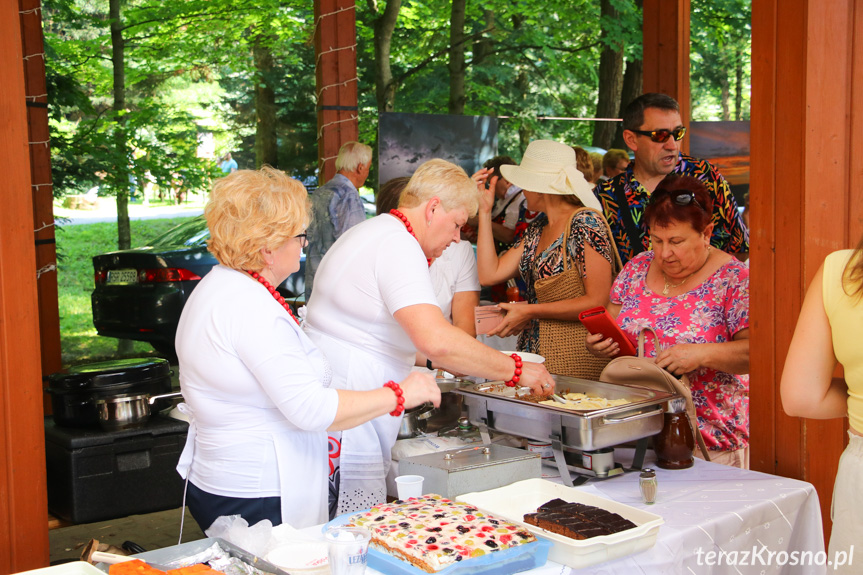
(492,405)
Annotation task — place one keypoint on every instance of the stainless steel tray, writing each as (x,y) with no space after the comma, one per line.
(495,406)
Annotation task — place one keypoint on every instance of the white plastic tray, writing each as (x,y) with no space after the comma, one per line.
(72,568)
(513,501)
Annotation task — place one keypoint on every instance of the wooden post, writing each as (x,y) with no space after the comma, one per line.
(336,81)
(665,30)
(43,190)
(23,486)
(806,107)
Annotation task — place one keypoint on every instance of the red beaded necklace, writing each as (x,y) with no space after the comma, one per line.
(276,295)
(409,227)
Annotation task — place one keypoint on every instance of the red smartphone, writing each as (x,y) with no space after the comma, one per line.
(598,320)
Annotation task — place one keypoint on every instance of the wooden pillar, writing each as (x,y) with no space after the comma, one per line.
(336,80)
(43,191)
(23,489)
(665,31)
(807,104)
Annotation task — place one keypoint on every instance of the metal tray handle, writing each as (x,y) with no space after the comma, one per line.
(634,417)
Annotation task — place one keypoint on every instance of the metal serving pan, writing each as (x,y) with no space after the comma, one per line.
(495,406)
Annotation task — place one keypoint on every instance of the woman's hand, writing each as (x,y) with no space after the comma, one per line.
(537,378)
(486,198)
(600,347)
(681,358)
(419,388)
(516,319)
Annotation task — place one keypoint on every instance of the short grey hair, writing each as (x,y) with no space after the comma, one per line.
(352,155)
(444,180)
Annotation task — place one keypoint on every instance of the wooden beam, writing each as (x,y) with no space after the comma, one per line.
(665,30)
(43,191)
(336,80)
(23,486)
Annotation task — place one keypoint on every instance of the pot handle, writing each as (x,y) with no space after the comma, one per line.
(153,398)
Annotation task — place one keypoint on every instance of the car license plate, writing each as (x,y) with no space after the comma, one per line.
(122,276)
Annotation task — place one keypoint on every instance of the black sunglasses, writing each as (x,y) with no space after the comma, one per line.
(303,239)
(685,198)
(661,136)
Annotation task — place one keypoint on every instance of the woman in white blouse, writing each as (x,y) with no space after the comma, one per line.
(255,387)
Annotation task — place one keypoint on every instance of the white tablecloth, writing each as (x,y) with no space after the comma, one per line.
(712,508)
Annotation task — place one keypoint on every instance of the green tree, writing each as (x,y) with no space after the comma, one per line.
(721,34)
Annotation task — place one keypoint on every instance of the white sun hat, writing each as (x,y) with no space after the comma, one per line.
(549,167)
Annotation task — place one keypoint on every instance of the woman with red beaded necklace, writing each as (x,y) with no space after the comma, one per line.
(373,307)
(256,388)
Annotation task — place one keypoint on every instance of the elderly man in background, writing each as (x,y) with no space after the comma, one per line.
(653,129)
(336,206)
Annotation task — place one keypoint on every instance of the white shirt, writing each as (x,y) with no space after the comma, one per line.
(375,269)
(511,207)
(254,385)
(453,272)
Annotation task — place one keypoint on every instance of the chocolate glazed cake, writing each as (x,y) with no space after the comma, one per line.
(577,520)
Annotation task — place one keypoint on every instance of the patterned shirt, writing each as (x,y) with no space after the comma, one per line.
(710,313)
(729,232)
(587,228)
(336,208)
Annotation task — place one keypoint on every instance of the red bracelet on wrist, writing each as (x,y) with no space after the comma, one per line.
(517,375)
(400,400)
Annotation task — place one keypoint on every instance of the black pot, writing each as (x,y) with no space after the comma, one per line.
(74,391)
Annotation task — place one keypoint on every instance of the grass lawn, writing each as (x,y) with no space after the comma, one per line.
(76,245)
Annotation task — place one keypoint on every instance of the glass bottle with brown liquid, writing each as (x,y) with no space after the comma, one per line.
(675,443)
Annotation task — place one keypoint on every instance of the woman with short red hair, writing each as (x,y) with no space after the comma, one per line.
(696,298)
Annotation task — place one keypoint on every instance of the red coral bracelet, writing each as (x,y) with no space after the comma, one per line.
(517,375)
(400,400)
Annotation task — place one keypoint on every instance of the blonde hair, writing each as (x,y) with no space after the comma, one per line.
(352,155)
(250,210)
(444,180)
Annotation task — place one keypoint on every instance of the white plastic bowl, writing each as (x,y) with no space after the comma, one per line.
(533,357)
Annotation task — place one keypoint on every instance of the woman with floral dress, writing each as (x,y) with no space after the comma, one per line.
(571,227)
(696,298)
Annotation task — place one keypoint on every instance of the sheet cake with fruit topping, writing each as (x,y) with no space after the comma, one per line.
(432,533)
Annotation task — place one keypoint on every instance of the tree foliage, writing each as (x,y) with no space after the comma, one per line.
(245,72)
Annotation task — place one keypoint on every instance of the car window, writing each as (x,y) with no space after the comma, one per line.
(191,233)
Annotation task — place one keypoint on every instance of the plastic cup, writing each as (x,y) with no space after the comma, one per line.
(409,486)
(347,548)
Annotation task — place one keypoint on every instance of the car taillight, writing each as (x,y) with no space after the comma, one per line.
(160,275)
(100,276)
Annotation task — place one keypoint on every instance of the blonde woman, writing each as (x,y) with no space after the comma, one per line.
(256,389)
(374,308)
(828,333)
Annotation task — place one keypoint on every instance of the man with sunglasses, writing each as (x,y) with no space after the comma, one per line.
(653,129)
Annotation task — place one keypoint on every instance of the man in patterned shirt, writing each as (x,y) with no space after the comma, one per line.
(652,128)
(336,206)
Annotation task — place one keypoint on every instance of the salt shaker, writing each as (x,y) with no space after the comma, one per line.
(648,485)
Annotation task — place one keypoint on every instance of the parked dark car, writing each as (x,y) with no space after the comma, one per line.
(141,292)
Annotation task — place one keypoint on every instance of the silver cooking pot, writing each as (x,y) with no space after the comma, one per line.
(127,411)
(414,420)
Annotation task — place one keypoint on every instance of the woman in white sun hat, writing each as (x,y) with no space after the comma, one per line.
(566,257)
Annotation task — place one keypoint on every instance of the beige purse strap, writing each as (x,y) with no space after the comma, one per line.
(681,387)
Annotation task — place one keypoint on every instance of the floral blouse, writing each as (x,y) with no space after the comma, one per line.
(710,313)
(587,227)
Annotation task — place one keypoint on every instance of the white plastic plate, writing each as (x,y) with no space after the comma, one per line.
(514,501)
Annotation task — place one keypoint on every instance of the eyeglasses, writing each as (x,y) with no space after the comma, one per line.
(661,136)
(685,198)
(304,241)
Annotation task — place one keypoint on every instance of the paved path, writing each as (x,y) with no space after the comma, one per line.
(107,212)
